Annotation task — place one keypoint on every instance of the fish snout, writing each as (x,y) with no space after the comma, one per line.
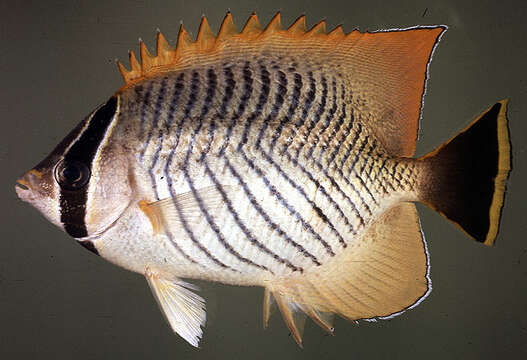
(24,185)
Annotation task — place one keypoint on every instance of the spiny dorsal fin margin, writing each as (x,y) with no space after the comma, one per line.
(168,58)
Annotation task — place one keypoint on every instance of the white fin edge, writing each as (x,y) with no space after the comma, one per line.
(183,309)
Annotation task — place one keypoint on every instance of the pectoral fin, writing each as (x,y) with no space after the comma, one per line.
(183,309)
(167,213)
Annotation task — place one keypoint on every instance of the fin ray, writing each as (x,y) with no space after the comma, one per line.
(465,178)
(183,309)
(346,288)
(164,213)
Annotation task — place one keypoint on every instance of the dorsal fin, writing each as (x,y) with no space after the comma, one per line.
(205,33)
(252,25)
(386,70)
(227,28)
(299,26)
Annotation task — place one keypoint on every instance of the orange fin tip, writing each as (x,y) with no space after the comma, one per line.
(274,25)
(318,29)
(252,25)
(299,26)
(209,46)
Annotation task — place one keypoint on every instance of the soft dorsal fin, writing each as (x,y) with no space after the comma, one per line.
(392,68)
(386,70)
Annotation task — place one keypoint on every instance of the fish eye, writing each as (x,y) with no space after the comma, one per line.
(72,175)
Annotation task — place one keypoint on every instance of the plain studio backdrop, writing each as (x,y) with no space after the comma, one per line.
(59,301)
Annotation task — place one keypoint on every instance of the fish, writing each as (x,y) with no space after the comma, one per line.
(277,158)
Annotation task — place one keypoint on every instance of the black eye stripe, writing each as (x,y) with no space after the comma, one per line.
(83,150)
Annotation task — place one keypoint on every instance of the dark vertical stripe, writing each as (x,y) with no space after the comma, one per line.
(318,115)
(302,192)
(211,89)
(216,229)
(178,87)
(379,173)
(266,217)
(278,196)
(324,192)
(83,150)
(279,99)
(228,92)
(335,130)
(351,145)
(324,170)
(155,159)
(358,154)
(244,99)
(343,136)
(145,103)
(230,85)
(157,113)
(293,105)
(310,97)
(328,119)
(248,234)
(265,79)
(193,95)
(281,92)
(368,157)
(194,92)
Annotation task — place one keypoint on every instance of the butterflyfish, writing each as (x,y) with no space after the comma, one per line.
(278,158)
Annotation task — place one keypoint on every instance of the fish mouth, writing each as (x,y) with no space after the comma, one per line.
(20,184)
(26,184)
(23,189)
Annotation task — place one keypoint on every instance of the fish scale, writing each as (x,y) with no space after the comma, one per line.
(275,158)
(265,118)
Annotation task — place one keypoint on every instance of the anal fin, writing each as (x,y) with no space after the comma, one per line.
(294,317)
(183,309)
(379,275)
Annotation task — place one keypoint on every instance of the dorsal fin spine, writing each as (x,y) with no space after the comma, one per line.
(318,29)
(164,51)
(227,28)
(252,25)
(337,32)
(146,57)
(299,26)
(205,33)
(273,26)
(123,70)
(183,39)
(134,64)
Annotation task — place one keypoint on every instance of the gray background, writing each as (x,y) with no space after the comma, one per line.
(59,301)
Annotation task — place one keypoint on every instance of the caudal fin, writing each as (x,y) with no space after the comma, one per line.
(465,178)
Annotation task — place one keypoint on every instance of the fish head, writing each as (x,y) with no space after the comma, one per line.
(83,185)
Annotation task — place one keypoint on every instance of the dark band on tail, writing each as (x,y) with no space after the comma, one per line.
(465,177)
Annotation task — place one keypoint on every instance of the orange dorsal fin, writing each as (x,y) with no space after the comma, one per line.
(392,67)
(386,69)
